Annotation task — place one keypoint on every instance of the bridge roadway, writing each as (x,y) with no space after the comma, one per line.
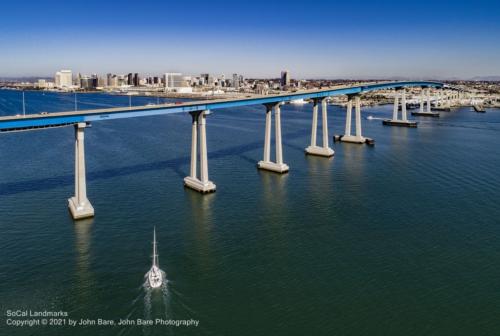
(56,119)
(80,206)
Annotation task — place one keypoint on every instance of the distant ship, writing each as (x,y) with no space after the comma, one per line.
(298,102)
(155,276)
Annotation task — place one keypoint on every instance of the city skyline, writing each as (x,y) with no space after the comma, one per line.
(259,39)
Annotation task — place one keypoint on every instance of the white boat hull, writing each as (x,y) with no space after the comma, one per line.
(155,277)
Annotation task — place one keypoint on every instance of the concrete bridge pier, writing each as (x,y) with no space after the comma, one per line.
(395,121)
(199,136)
(421,112)
(422,100)
(442,103)
(428,100)
(266,163)
(347,137)
(313,149)
(79,205)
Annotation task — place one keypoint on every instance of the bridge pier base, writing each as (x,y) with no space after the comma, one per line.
(313,149)
(79,205)
(266,163)
(395,121)
(199,135)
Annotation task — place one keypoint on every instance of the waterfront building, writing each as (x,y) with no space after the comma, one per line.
(41,84)
(136,79)
(130,79)
(64,79)
(88,82)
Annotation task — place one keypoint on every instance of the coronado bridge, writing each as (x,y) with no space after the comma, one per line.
(80,206)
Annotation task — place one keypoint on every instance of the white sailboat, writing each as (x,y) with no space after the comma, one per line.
(155,276)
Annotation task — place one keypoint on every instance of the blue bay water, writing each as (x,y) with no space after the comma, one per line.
(402,238)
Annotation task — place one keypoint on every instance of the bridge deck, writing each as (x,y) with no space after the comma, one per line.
(58,119)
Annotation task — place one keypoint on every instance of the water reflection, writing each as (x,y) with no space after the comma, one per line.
(202,218)
(320,174)
(274,201)
(354,156)
(274,189)
(84,278)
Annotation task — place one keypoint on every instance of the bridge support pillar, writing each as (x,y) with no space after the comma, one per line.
(395,121)
(199,136)
(422,113)
(79,205)
(347,137)
(428,100)
(313,149)
(422,100)
(266,163)
(395,109)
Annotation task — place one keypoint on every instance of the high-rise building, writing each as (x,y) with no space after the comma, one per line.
(177,82)
(173,80)
(88,83)
(236,81)
(130,79)
(101,81)
(113,81)
(285,78)
(77,79)
(204,78)
(64,79)
(122,80)
(136,79)
(109,79)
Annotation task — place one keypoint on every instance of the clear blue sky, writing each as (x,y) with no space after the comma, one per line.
(418,39)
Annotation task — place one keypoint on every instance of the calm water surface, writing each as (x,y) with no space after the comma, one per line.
(399,239)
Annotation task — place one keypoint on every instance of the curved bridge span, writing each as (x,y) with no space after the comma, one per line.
(33,121)
(80,206)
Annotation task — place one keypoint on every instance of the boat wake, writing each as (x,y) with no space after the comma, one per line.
(155,282)
(151,293)
(374,118)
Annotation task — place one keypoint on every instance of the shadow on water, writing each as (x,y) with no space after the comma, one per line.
(12,188)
